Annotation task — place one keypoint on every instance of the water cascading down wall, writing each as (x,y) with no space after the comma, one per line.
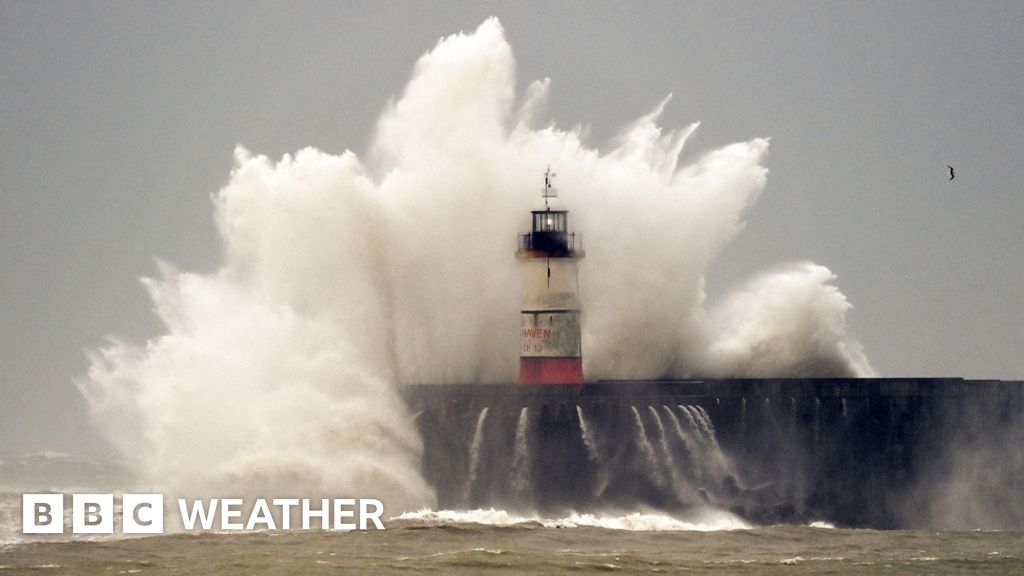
(881,453)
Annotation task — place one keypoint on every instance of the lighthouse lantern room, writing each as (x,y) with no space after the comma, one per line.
(550,344)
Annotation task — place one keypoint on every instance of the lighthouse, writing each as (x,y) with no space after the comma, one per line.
(549,333)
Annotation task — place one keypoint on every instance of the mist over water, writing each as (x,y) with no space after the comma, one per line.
(344,278)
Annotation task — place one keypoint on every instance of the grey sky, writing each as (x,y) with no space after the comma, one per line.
(118,120)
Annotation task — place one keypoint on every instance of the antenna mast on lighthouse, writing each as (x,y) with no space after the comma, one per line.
(549,192)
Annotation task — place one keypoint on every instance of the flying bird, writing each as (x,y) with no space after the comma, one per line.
(952,174)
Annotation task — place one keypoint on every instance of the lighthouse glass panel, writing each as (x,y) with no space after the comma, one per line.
(549,221)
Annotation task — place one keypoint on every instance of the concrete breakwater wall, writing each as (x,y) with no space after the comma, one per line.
(881,453)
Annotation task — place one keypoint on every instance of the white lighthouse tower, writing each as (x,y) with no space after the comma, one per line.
(550,348)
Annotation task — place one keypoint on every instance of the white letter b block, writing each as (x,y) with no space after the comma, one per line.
(42,513)
(92,513)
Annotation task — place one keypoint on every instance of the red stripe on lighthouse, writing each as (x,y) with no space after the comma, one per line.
(550,370)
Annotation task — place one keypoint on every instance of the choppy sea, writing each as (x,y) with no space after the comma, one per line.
(472,541)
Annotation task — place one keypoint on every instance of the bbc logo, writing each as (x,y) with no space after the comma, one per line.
(92,513)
